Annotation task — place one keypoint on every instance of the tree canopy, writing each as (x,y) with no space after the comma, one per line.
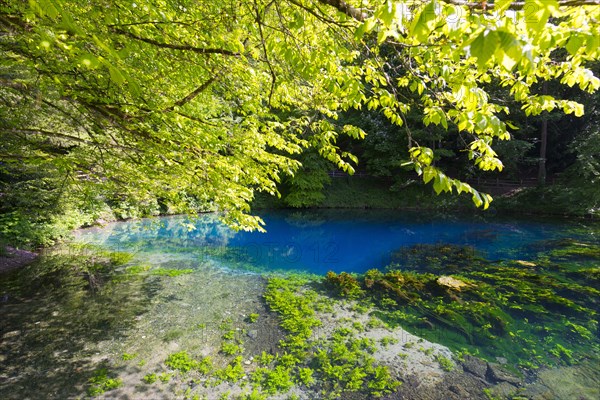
(208,102)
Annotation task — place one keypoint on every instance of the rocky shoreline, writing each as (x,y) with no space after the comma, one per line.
(13,258)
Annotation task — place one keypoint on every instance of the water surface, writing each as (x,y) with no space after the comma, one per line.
(324,240)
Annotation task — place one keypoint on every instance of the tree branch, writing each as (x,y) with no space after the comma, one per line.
(518,5)
(181,47)
(346,8)
(192,95)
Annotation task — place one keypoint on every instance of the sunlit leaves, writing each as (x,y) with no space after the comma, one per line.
(218,99)
(537,12)
(424,23)
(484,46)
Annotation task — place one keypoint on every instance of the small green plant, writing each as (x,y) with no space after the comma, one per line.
(273,380)
(446,364)
(561,352)
(386,302)
(409,345)
(165,377)
(361,308)
(233,372)
(252,318)
(254,395)
(225,325)
(183,362)
(173,334)
(128,356)
(265,358)
(489,394)
(345,284)
(358,327)
(375,323)
(101,383)
(229,335)
(230,349)
(305,376)
(224,396)
(150,378)
(386,341)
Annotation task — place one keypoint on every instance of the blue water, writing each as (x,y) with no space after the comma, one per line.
(320,241)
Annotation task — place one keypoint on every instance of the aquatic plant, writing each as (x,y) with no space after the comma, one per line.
(230,349)
(101,382)
(183,362)
(171,272)
(150,378)
(346,284)
(490,306)
(128,356)
(445,363)
(232,372)
(340,363)
(275,379)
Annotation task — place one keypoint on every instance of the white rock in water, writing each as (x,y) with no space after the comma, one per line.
(451,282)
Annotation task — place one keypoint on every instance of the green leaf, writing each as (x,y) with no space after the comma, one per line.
(387,13)
(429,173)
(484,46)
(574,44)
(537,13)
(424,24)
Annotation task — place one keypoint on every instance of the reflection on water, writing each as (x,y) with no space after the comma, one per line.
(321,241)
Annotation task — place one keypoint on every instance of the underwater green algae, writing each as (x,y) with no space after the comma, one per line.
(536,312)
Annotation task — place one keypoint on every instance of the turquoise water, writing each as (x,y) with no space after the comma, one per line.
(324,240)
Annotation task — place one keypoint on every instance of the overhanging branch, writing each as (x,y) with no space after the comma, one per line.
(346,8)
(181,47)
(192,95)
(519,5)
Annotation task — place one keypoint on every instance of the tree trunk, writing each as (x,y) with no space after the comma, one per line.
(543,144)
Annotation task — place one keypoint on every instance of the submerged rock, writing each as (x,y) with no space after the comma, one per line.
(495,374)
(451,282)
(252,334)
(475,366)
(580,382)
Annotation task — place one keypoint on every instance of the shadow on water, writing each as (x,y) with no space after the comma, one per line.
(53,312)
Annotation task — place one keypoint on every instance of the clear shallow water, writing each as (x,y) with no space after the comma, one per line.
(324,240)
(59,324)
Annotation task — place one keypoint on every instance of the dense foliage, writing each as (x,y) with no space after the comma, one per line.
(184,105)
